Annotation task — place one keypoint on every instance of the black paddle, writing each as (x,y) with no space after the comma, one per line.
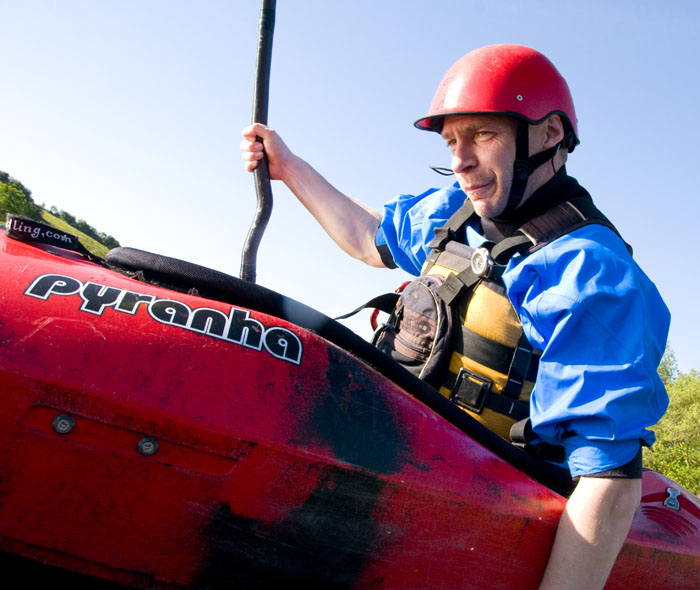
(262,172)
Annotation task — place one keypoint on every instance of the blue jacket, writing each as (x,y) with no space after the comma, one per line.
(583,301)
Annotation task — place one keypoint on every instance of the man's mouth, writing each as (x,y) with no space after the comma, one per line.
(477,189)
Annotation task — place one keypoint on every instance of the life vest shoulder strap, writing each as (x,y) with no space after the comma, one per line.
(554,223)
(562,219)
(453,227)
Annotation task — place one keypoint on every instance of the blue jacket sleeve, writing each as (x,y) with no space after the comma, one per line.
(602,327)
(409,221)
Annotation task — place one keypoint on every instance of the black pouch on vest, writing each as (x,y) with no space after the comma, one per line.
(420,332)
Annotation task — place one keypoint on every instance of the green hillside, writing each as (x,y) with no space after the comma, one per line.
(93,246)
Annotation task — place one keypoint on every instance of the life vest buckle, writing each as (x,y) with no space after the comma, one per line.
(471,391)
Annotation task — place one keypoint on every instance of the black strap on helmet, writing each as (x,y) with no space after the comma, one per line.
(525,165)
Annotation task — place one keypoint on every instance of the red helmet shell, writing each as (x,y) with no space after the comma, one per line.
(502,79)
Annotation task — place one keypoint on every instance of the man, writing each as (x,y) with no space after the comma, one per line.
(508,118)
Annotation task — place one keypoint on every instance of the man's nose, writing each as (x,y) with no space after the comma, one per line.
(463,158)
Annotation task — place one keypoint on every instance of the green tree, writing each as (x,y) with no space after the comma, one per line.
(668,367)
(676,453)
(14,200)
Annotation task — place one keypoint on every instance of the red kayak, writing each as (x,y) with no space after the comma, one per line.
(163,425)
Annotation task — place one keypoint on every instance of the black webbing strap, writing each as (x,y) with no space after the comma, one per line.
(521,167)
(453,226)
(522,435)
(385,302)
(485,351)
(594,215)
(431,259)
(514,409)
(385,256)
(553,223)
(455,284)
(518,370)
(525,164)
(506,249)
(540,230)
(474,392)
(29,230)
(519,365)
(535,161)
(557,221)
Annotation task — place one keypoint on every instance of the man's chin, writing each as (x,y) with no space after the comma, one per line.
(485,208)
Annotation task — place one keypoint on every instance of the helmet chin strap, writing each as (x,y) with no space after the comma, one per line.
(525,165)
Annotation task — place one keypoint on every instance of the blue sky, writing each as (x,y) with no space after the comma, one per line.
(128,114)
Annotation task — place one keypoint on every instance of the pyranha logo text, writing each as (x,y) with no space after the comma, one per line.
(236,327)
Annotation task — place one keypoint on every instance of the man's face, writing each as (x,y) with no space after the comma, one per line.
(483,152)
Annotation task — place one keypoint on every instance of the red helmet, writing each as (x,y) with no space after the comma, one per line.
(507,80)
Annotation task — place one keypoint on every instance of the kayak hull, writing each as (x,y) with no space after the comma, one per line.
(161,439)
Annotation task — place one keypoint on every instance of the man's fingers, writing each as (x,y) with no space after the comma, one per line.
(252,149)
(251,159)
(254,130)
(251,145)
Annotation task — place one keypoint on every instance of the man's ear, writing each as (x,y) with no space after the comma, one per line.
(553,131)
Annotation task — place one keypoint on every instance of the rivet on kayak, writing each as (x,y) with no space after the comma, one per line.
(519,97)
(63,424)
(148,446)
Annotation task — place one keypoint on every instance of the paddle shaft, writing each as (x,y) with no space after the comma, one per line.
(262,172)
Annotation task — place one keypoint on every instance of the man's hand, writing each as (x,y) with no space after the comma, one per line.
(349,223)
(279,156)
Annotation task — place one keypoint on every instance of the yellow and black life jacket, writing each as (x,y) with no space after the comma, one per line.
(455,327)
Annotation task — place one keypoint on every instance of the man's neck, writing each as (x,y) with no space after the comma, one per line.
(560,187)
